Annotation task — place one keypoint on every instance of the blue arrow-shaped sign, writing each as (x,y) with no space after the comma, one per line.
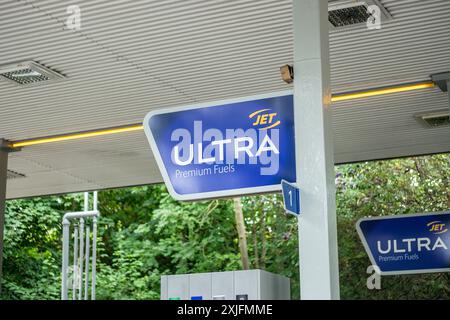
(412,243)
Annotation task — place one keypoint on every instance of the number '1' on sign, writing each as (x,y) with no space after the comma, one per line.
(291,198)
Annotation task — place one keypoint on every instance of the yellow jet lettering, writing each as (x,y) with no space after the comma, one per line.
(264,119)
(437,227)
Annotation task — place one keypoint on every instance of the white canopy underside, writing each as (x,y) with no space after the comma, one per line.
(134,56)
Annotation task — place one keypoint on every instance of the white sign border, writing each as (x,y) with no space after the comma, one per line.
(212,194)
(369,252)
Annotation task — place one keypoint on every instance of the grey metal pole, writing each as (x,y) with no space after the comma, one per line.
(94,256)
(84,251)
(319,272)
(86,268)
(75,263)
(94,247)
(80,268)
(86,201)
(95,201)
(84,276)
(65,259)
(3,177)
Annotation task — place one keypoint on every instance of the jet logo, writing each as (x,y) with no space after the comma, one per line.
(265,118)
(437,227)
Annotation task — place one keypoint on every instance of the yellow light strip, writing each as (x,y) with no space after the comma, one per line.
(137,127)
(379,92)
(74,136)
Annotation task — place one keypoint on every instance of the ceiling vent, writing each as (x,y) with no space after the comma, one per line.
(434,119)
(28,72)
(345,13)
(13,175)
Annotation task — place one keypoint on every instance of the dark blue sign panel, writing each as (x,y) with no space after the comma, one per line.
(291,197)
(417,243)
(224,149)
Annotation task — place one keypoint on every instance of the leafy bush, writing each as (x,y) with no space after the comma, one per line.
(144,233)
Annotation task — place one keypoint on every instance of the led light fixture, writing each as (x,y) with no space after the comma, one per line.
(138,127)
(381,91)
(74,136)
(27,73)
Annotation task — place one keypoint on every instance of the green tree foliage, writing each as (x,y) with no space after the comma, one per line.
(32,248)
(163,237)
(272,237)
(144,233)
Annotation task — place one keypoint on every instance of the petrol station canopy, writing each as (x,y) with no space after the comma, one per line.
(131,57)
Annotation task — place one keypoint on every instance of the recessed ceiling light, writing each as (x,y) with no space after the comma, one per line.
(28,72)
(343,13)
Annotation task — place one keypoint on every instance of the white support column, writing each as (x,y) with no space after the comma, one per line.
(3,175)
(319,271)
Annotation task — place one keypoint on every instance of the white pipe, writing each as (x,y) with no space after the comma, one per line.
(84,254)
(95,200)
(86,276)
(80,214)
(86,201)
(75,262)
(65,259)
(94,255)
(80,279)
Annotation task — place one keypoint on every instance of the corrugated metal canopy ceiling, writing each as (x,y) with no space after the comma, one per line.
(134,56)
